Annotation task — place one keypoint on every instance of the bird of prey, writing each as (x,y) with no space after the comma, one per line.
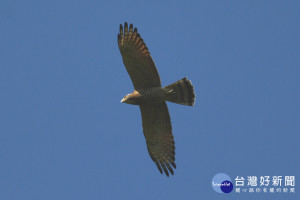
(151,97)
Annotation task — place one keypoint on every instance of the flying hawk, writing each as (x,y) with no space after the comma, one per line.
(151,97)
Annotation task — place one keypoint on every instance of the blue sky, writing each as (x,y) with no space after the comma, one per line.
(65,135)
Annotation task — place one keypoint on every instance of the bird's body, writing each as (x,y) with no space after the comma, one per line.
(151,98)
(147,96)
(153,95)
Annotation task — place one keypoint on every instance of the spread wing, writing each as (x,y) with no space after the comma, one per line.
(158,133)
(137,59)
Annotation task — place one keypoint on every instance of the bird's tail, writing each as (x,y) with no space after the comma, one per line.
(181,92)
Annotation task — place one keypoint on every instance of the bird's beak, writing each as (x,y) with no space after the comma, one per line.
(122,100)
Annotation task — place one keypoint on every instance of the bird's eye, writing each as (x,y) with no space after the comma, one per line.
(125,96)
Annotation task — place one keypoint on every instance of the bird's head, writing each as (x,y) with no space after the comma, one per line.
(131,98)
(125,98)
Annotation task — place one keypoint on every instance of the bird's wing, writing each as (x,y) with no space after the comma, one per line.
(137,59)
(158,133)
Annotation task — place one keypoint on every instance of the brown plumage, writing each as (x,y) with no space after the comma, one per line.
(137,59)
(151,97)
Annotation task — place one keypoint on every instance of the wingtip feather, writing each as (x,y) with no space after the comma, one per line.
(121,29)
(159,167)
(170,168)
(130,28)
(126,28)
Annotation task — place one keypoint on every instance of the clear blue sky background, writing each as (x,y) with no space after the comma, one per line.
(65,135)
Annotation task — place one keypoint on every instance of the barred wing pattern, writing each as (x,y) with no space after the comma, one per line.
(137,59)
(158,133)
(155,116)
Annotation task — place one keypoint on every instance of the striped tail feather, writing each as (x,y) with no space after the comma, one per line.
(181,92)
